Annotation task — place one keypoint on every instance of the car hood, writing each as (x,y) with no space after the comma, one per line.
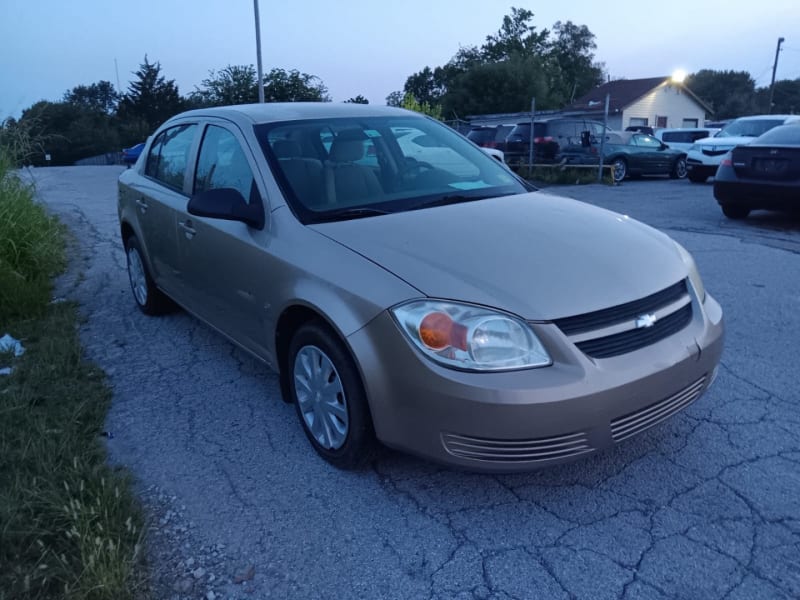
(536,255)
(733,140)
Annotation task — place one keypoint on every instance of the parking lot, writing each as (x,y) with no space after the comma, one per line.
(706,505)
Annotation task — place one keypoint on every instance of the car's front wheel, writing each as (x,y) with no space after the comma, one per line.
(331,403)
(735,211)
(149,299)
(678,169)
(620,168)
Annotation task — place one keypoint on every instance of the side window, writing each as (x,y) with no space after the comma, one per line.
(152,157)
(647,141)
(222,163)
(172,147)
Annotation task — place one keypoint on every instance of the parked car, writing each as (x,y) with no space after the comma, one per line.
(490,136)
(631,155)
(131,155)
(764,174)
(640,129)
(703,158)
(682,139)
(460,316)
(549,138)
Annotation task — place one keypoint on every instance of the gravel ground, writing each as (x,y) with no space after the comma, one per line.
(706,505)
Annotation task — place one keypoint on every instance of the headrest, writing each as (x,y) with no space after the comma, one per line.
(286,149)
(348,146)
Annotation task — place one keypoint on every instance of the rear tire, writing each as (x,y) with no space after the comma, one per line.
(149,299)
(735,211)
(331,403)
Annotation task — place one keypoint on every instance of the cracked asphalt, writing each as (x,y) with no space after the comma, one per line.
(706,505)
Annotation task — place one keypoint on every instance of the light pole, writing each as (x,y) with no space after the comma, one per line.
(774,68)
(258,54)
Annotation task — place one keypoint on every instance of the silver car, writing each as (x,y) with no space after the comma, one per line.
(411,290)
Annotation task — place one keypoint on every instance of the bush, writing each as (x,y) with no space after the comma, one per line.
(31,246)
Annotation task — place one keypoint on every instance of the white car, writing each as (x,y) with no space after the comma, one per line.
(683,138)
(704,156)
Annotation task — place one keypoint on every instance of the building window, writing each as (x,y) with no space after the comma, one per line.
(638,121)
(689,123)
(661,121)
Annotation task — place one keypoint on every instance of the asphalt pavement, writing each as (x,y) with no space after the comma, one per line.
(704,506)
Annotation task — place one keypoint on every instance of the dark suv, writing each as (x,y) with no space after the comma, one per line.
(490,136)
(549,138)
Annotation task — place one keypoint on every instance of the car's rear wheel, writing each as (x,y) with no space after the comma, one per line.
(149,299)
(735,211)
(679,169)
(695,178)
(620,167)
(331,403)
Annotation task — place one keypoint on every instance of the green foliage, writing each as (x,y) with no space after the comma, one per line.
(410,103)
(730,94)
(151,99)
(31,247)
(395,98)
(554,66)
(785,100)
(69,526)
(293,86)
(98,97)
(235,84)
(357,100)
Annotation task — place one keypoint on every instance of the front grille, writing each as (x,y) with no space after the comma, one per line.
(633,339)
(622,312)
(636,422)
(563,446)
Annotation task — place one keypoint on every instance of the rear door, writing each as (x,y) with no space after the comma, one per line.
(158,196)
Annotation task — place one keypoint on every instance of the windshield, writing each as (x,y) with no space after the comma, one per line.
(749,127)
(345,168)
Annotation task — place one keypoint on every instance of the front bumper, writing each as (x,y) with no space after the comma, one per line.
(523,420)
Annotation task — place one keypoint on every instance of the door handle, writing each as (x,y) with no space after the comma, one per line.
(141,203)
(188,230)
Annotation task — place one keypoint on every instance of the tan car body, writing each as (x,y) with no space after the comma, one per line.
(536,256)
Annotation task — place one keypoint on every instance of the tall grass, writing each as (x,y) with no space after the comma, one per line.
(31,246)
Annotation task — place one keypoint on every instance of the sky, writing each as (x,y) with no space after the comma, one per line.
(365,47)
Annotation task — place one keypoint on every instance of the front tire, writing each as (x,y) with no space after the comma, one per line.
(329,396)
(735,211)
(149,299)
(679,169)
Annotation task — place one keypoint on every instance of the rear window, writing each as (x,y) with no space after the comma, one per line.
(484,134)
(686,137)
(786,134)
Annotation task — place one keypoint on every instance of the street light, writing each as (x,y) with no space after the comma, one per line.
(258,54)
(678,76)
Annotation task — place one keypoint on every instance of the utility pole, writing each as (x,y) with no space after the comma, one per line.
(258,54)
(774,68)
(532,142)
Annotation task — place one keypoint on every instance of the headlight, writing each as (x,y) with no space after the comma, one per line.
(694,148)
(470,337)
(694,274)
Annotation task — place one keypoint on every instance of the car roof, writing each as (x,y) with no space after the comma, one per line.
(271,112)
(767,117)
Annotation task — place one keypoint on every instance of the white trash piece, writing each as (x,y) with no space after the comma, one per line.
(9,344)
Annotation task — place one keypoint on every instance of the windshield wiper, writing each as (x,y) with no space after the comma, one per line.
(344,214)
(455,199)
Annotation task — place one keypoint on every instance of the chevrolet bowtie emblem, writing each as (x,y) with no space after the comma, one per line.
(645,321)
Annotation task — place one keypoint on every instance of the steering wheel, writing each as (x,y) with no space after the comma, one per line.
(414,166)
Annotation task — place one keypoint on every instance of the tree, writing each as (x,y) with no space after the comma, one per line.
(235,84)
(150,100)
(293,86)
(98,97)
(395,98)
(357,100)
(785,97)
(411,103)
(516,36)
(729,93)
(571,68)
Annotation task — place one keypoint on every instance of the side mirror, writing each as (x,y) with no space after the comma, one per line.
(227,204)
(586,138)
